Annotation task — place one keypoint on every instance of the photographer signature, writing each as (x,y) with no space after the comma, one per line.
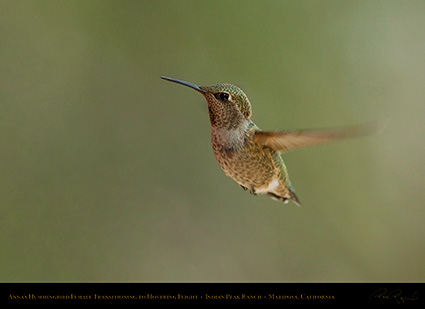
(383,295)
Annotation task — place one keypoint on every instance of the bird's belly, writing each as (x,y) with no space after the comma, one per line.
(254,172)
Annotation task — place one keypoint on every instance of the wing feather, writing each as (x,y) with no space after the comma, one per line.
(286,140)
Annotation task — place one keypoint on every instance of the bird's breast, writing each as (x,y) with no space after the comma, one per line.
(228,142)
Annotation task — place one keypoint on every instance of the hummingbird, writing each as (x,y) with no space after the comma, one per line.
(250,156)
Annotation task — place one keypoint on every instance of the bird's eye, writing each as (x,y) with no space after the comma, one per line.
(223,96)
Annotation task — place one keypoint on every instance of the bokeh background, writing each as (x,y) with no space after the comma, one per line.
(107,172)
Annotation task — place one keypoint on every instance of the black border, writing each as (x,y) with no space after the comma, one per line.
(213,293)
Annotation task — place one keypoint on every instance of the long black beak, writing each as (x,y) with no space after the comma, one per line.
(182,82)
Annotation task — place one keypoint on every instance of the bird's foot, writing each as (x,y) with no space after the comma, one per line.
(252,191)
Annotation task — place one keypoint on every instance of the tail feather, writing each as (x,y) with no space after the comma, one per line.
(293,198)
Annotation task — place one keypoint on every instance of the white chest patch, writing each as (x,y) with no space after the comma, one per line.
(274,184)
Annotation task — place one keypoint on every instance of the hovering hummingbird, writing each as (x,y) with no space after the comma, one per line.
(250,156)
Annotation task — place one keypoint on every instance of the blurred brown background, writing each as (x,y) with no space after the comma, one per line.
(107,172)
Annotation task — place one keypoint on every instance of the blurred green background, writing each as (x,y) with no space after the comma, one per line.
(107,172)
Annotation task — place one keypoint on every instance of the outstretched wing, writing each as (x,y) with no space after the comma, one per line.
(287,140)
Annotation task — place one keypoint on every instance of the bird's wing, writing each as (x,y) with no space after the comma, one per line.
(287,140)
